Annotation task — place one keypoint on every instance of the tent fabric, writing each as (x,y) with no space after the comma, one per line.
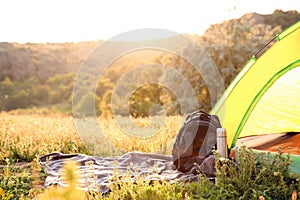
(280,102)
(263,98)
(287,142)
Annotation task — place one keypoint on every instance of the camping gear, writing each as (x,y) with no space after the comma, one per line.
(264,97)
(222,147)
(195,140)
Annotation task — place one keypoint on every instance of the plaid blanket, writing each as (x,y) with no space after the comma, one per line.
(135,164)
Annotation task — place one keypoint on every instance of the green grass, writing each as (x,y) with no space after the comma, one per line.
(257,176)
(26,137)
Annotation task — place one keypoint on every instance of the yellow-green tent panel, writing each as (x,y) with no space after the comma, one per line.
(263,98)
(278,110)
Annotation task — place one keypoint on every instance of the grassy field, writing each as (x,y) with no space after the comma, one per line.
(23,138)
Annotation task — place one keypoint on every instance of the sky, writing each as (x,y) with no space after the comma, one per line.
(42,21)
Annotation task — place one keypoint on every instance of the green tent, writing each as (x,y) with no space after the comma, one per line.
(264,98)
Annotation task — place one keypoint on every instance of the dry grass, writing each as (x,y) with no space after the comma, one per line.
(25,137)
(143,134)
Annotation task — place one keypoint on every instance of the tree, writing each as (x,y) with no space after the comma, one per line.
(85,106)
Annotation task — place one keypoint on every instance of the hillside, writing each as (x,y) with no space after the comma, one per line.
(41,60)
(42,75)
(46,60)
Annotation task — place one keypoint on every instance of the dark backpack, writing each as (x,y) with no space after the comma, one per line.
(195,140)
